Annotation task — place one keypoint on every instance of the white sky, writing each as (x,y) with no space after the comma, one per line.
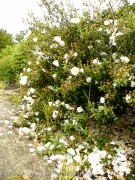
(12,12)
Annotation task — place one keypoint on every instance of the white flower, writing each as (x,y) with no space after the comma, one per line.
(54,75)
(31,149)
(29,63)
(69,107)
(43,70)
(55,113)
(132,83)
(10,132)
(35,39)
(102,100)
(108,31)
(56,63)
(71,138)
(57,103)
(90,47)
(119,34)
(71,151)
(48,129)
(100,29)
(124,59)
(114,84)
(116,60)
(24,69)
(69,160)
(128,97)
(23,80)
(1,134)
(50,87)
(103,54)
(75,54)
(112,39)
(75,20)
(28,70)
(50,103)
(79,109)
(66,121)
(77,158)
(114,55)
(112,142)
(25,130)
(107,22)
(37,62)
(66,56)
(54,46)
(28,98)
(115,22)
(74,122)
(27,34)
(81,70)
(96,61)
(100,107)
(88,79)
(40,148)
(75,71)
(57,39)
(62,43)
(87,175)
(98,41)
(33,126)
(32,90)
(6,121)
(47,144)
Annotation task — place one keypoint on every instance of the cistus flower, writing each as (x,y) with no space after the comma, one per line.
(107,22)
(35,39)
(75,71)
(96,61)
(55,113)
(75,20)
(79,109)
(128,97)
(56,63)
(102,100)
(71,151)
(124,59)
(58,40)
(32,90)
(23,80)
(88,79)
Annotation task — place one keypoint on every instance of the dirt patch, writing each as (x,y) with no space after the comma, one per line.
(15,157)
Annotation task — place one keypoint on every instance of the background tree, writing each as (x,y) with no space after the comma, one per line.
(5,39)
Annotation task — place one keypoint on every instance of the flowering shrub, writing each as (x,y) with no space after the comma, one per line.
(79,63)
(79,70)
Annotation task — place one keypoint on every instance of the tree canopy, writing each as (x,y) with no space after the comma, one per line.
(5,39)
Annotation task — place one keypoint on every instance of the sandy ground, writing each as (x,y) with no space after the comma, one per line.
(15,158)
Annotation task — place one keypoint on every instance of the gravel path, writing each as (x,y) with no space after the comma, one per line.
(15,157)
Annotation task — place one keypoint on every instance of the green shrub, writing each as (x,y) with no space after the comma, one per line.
(80,63)
(12,62)
(79,72)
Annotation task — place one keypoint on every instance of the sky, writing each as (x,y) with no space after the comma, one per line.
(13,11)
